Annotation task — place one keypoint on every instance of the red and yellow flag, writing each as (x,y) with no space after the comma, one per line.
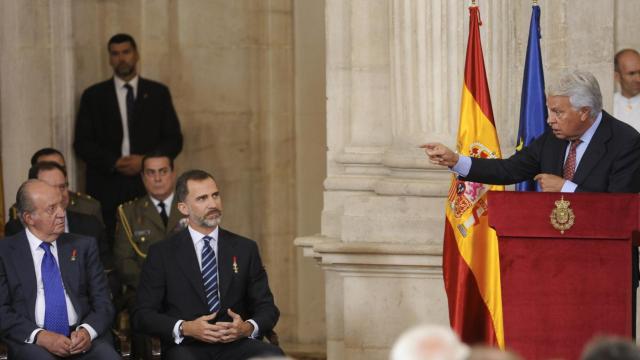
(471,265)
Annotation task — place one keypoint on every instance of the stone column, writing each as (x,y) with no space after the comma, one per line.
(26,87)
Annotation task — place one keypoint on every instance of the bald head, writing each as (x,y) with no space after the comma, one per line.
(627,72)
(40,207)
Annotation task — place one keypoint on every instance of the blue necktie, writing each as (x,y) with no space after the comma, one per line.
(210,275)
(55,305)
(130,102)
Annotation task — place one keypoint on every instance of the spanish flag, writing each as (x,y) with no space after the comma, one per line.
(471,265)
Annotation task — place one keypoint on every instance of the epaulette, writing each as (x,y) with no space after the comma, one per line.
(127,203)
(86,196)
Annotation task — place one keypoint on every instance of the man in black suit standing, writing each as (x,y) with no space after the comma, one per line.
(120,120)
(75,222)
(54,300)
(586,149)
(204,290)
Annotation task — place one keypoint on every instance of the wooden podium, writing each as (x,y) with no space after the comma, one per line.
(562,288)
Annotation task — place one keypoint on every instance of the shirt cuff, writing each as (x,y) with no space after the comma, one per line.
(569,187)
(32,337)
(92,332)
(463,166)
(256,329)
(177,338)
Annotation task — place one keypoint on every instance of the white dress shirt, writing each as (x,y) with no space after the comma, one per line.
(198,243)
(167,204)
(121,94)
(627,109)
(37,253)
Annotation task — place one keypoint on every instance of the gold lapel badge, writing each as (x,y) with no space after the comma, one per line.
(562,217)
(74,254)
(235,264)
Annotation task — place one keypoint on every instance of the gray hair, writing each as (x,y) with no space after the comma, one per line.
(582,89)
(611,348)
(24,200)
(443,344)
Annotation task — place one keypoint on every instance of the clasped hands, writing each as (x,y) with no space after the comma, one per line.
(129,165)
(220,332)
(441,155)
(78,342)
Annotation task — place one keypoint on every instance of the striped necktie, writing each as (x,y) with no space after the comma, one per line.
(210,275)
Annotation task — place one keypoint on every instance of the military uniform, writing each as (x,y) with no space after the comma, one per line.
(78,202)
(138,226)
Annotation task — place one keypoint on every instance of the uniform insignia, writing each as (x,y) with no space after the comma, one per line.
(144,232)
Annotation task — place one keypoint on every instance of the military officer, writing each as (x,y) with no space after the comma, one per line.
(148,219)
(140,223)
(78,202)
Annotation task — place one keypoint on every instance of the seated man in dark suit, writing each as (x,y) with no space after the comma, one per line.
(204,290)
(75,222)
(586,149)
(54,300)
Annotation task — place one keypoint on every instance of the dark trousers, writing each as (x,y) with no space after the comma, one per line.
(238,350)
(101,349)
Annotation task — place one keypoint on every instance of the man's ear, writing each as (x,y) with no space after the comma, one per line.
(585,113)
(183,208)
(27,218)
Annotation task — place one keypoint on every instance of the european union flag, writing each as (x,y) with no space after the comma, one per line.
(533,108)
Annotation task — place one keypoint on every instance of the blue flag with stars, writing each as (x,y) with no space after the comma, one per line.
(533,108)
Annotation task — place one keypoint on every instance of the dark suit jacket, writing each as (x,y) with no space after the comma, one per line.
(83,278)
(80,224)
(611,162)
(98,139)
(171,288)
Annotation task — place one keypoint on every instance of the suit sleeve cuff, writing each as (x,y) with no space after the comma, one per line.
(177,338)
(463,166)
(256,329)
(32,337)
(569,187)
(92,332)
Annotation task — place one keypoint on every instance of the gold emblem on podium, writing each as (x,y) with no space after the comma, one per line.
(562,217)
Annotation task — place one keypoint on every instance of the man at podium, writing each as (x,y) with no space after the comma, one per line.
(586,149)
